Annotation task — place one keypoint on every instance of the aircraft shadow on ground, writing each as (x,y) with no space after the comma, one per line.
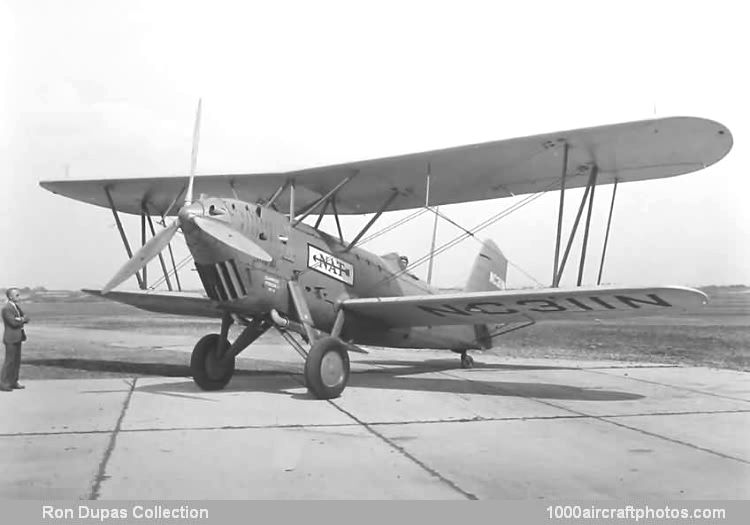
(490,388)
(391,367)
(439,365)
(128,368)
(245,382)
(400,378)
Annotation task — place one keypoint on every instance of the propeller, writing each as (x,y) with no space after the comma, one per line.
(141,258)
(194,154)
(219,230)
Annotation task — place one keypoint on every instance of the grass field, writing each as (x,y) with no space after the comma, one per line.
(105,339)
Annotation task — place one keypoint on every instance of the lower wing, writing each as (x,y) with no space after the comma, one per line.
(515,305)
(178,303)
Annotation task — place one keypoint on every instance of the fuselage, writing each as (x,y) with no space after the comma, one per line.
(326,271)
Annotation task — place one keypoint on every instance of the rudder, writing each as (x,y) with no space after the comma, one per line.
(489,271)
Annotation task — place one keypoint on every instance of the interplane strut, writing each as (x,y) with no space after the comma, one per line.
(122,234)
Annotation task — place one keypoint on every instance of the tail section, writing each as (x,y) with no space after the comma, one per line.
(489,271)
(488,274)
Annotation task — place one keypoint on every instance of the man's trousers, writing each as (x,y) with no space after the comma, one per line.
(12,365)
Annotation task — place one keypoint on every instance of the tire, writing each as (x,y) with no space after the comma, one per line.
(327,368)
(207,372)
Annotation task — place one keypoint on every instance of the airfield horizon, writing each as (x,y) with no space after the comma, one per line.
(76,335)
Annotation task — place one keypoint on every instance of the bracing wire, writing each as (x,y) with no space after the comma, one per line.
(391,227)
(179,267)
(527,274)
(448,219)
(467,233)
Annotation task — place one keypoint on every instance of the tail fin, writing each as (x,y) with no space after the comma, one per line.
(489,270)
(488,273)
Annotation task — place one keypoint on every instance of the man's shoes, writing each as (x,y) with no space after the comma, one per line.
(18,386)
(4,388)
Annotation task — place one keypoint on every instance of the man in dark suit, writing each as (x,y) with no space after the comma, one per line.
(13,336)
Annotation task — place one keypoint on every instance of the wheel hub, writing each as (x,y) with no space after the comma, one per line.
(332,369)
(215,368)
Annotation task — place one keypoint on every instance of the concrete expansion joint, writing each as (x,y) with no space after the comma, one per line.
(681,413)
(675,387)
(676,441)
(480,419)
(626,366)
(434,473)
(402,451)
(101,473)
(609,419)
(302,426)
(290,426)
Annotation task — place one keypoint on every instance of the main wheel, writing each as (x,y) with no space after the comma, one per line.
(208,371)
(327,368)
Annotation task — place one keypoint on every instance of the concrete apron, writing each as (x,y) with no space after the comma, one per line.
(409,425)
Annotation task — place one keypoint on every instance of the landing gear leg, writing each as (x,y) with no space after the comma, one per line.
(213,359)
(327,362)
(466,360)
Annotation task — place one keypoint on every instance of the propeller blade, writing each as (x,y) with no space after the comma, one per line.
(194,156)
(231,237)
(141,258)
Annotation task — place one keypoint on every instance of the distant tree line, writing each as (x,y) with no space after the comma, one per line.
(26,289)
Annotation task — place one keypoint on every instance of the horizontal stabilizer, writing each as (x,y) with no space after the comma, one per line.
(509,306)
(178,303)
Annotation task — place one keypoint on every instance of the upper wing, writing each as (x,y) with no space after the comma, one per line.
(632,151)
(178,303)
(515,306)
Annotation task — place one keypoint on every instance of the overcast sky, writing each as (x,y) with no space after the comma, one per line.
(110,88)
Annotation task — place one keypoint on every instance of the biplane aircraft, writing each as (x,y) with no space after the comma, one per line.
(261,266)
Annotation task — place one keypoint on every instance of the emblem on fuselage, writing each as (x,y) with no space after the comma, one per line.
(330,265)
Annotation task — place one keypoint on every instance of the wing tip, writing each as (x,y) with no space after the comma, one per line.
(699,296)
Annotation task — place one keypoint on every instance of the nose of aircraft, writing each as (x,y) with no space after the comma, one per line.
(190,212)
(212,218)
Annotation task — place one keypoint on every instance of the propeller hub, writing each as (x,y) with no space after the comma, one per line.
(190,211)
